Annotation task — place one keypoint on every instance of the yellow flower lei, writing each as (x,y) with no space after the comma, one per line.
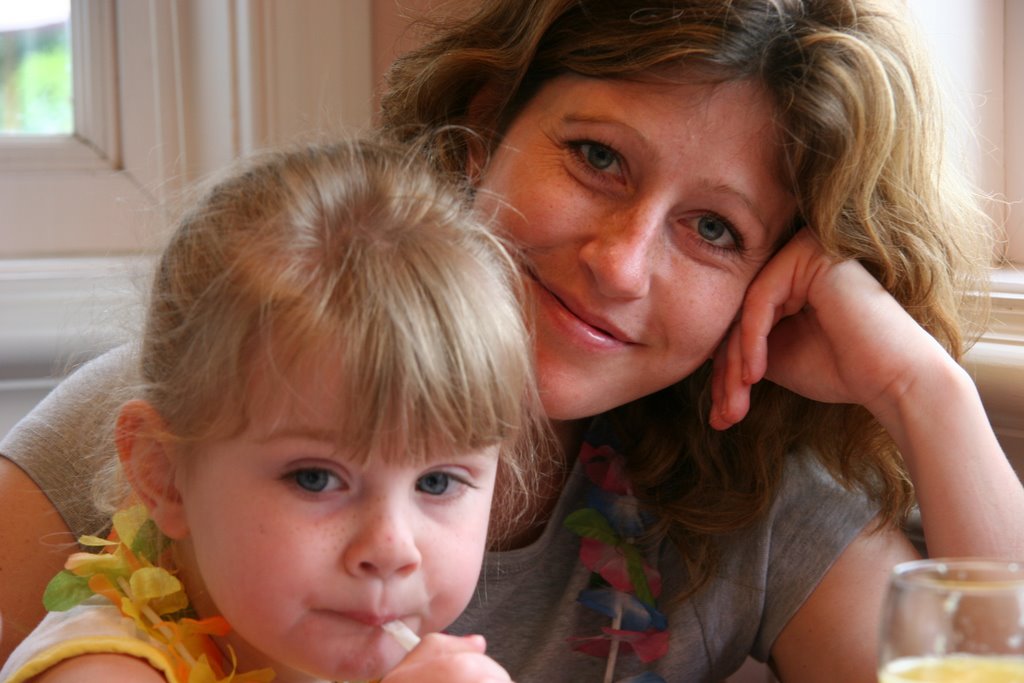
(125,573)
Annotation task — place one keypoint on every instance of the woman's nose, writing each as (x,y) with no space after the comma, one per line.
(383,546)
(620,253)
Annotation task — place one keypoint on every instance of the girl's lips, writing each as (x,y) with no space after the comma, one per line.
(367,618)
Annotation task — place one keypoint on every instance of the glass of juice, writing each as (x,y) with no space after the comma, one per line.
(956,620)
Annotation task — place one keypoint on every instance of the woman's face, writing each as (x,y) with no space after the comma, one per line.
(644,209)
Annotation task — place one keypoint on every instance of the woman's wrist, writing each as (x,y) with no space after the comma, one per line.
(936,389)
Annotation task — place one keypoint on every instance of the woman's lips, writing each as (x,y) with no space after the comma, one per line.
(577,322)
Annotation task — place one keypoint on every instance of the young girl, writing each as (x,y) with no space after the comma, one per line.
(332,359)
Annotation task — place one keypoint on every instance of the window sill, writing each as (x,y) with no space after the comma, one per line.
(55,313)
(997,362)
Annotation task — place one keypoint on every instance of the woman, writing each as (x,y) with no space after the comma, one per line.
(726,211)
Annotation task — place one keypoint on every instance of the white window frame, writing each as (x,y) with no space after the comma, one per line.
(1013,75)
(95,145)
(49,185)
(168,90)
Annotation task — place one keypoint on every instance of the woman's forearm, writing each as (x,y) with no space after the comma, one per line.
(34,542)
(971,500)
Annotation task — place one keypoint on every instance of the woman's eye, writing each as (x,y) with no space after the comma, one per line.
(716,230)
(597,156)
(434,483)
(314,480)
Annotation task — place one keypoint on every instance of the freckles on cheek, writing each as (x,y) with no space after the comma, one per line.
(701,321)
(521,226)
(536,213)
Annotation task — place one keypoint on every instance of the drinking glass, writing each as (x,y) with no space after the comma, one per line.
(956,620)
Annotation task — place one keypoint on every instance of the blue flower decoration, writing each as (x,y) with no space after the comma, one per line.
(622,512)
(636,616)
(647,677)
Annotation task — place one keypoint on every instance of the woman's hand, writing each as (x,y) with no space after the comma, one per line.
(824,329)
(448,659)
(828,331)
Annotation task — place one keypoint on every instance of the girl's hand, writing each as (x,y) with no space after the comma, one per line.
(824,329)
(448,659)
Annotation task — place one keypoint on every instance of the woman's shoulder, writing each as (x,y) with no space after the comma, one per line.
(80,401)
(67,437)
(812,515)
(773,565)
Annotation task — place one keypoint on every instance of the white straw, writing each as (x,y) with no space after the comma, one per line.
(405,636)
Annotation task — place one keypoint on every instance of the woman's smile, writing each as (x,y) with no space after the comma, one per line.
(579,325)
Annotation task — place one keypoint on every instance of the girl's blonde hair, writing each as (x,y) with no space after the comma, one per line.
(863,148)
(355,255)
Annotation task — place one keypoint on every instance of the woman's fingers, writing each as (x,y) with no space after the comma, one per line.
(822,328)
(742,360)
(730,392)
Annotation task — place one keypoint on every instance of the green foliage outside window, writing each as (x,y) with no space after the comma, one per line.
(35,82)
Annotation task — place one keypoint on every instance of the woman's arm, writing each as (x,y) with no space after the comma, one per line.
(34,542)
(63,442)
(830,332)
(832,637)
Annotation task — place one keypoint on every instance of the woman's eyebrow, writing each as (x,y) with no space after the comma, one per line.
(603,120)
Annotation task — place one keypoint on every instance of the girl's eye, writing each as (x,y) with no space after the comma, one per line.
(717,231)
(434,483)
(314,480)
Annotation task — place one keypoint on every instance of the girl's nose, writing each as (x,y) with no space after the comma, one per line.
(383,546)
(620,253)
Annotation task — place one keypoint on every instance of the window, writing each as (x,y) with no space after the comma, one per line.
(35,69)
(1013,62)
(60,192)
(972,44)
(980,47)
(165,92)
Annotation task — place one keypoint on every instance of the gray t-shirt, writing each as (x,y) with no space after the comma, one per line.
(64,441)
(525,603)
(526,599)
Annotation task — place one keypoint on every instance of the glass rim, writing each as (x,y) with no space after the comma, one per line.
(995,574)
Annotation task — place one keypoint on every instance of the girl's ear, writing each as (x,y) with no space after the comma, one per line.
(150,462)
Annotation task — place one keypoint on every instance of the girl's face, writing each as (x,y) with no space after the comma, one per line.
(644,208)
(306,553)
